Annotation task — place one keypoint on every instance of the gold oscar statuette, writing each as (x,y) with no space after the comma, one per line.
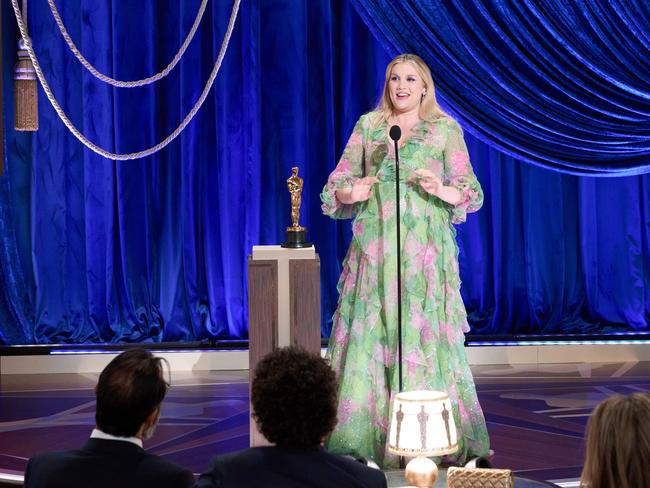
(296,235)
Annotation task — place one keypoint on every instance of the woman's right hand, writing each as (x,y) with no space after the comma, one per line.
(360,191)
(362,188)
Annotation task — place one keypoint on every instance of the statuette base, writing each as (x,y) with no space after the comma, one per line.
(296,238)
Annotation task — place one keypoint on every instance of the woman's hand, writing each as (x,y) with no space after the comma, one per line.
(360,191)
(362,188)
(433,185)
(428,181)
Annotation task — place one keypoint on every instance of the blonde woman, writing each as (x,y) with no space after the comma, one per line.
(618,443)
(437,189)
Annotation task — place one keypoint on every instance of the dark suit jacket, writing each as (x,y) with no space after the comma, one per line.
(271,467)
(103,464)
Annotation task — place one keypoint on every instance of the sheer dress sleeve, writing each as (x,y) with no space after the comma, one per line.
(458,173)
(348,170)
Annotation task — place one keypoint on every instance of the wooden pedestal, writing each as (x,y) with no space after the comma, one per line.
(283,305)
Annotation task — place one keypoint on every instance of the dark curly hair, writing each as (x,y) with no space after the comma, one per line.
(294,397)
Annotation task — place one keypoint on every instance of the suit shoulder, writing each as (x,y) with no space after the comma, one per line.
(161,464)
(226,466)
(371,477)
(53,458)
(239,459)
(48,468)
(161,468)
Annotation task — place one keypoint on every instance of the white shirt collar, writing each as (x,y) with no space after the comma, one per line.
(98,434)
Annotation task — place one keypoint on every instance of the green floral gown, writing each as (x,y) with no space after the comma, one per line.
(363,344)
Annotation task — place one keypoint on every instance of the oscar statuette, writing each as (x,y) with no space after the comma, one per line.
(296,236)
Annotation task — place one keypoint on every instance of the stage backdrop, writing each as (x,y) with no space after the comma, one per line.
(155,250)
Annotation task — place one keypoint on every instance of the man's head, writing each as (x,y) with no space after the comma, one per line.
(294,398)
(129,393)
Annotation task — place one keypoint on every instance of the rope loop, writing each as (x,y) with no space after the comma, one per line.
(119,83)
(153,149)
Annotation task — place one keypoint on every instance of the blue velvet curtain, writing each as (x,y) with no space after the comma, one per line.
(552,253)
(561,84)
(155,250)
(564,86)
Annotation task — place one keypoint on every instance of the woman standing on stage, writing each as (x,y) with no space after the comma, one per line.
(437,189)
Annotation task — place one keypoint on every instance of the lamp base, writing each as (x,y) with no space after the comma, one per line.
(421,472)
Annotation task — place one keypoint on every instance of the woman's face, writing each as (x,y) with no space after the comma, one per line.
(405,87)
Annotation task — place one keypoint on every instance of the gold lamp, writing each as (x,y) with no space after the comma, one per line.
(422,425)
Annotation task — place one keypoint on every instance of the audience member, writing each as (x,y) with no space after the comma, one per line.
(618,443)
(293,395)
(129,394)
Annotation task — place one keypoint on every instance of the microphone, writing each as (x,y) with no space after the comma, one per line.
(395,133)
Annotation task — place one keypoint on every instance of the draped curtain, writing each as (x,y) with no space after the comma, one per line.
(95,250)
(155,249)
(563,85)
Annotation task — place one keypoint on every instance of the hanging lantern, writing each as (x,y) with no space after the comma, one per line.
(25,94)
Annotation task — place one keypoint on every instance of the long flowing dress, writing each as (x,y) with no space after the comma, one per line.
(363,344)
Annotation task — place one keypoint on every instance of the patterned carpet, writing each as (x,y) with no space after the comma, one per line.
(536,414)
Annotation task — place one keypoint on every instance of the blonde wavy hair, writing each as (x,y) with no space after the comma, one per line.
(429,108)
(618,443)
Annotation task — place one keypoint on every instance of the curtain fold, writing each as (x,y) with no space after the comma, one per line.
(552,253)
(156,249)
(562,85)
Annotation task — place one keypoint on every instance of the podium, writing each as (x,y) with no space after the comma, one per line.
(283,305)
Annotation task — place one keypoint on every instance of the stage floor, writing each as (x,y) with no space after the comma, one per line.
(536,414)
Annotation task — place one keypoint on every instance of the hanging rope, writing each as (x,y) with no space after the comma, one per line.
(147,152)
(120,83)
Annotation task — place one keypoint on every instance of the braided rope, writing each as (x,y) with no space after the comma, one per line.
(25,13)
(120,83)
(147,152)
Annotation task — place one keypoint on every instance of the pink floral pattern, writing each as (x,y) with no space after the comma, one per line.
(459,162)
(363,344)
(347,408)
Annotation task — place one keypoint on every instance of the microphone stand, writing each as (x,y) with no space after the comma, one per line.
(395,134)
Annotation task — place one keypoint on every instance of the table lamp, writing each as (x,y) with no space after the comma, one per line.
(422,425)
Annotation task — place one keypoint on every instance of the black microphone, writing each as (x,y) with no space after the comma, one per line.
(395,133)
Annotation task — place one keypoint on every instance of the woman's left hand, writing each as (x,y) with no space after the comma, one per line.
(429,182)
